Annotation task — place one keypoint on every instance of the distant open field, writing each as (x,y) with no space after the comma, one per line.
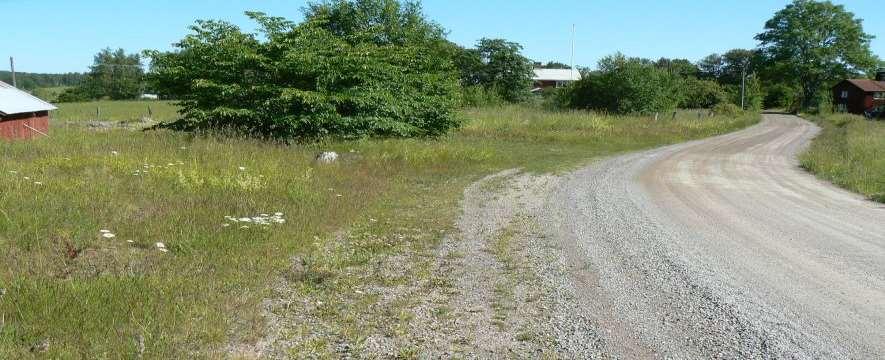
(850,152)
(116,111)
(82,213)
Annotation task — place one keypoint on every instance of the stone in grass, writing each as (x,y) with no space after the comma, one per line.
(327,157)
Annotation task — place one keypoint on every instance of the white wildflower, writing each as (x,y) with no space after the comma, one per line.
(108,235)
(103,231)
(115,152)
(242,168)
(38,183)
(160,245)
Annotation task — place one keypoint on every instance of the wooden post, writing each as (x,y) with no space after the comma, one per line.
(150,113)
(12,69)
(656,117)
(98,113)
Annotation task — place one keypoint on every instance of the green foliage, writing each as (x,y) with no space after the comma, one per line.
(812,44)
(850,152)
(781,96)
(627,85)
(727,109)
(114,75)
(477,95)
(824,104)
(754,95)
(679,67)
(351,69)
(554,65)
(498,65)
(33,81)
(49,94)
(728,68)
(701,94)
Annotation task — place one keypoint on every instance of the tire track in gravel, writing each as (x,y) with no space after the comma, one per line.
(724,248)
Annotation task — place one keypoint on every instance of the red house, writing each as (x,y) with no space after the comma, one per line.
(22,116)
(859,96)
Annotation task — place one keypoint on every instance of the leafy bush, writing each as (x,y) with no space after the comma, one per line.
(701,94)
(626,86)
(727,109)
(351,69)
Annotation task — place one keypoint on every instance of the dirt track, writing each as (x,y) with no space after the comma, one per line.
(724,248)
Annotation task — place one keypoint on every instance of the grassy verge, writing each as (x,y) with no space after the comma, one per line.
(71,291)
(850,152)
(116,111)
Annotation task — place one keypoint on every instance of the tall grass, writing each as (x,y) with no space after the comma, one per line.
(116,111)
(84,295)
(850,152)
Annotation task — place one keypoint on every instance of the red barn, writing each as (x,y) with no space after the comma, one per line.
(859,96)
(22,116)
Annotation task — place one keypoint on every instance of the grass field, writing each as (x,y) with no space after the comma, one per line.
(72,290)
(850,152)
(119,111)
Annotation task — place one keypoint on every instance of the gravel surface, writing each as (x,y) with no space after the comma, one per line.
(719,248)
(724,248)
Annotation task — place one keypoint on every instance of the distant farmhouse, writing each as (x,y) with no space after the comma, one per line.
(554,78)
(860,96)
(22,116)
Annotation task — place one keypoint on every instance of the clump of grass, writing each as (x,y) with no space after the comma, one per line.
(81,294)
(850,152)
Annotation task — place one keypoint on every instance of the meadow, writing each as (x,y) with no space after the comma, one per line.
(116,111)
(125,244)
(850,152)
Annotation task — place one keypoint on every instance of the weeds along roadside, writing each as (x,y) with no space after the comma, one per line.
(849,152)
(69,286)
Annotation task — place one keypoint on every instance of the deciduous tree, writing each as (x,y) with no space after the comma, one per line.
(812,44)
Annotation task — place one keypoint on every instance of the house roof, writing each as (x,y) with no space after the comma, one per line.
(868,85)
(15,101)
(556,75)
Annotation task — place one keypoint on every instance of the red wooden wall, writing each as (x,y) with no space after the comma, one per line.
(16,126)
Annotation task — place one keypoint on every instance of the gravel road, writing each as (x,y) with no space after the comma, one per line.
(724,248)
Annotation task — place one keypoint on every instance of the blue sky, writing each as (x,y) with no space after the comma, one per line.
(62,35)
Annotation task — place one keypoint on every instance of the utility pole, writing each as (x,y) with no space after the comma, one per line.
(573,53)
(12,68)
(743,84)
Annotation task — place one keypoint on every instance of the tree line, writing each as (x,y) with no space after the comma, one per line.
(355,68)
(31,81)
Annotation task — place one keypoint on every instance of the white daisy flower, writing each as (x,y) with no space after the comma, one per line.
(108,236)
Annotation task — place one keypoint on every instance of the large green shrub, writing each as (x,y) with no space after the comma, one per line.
(351,69)
(701,94)
(627,85)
